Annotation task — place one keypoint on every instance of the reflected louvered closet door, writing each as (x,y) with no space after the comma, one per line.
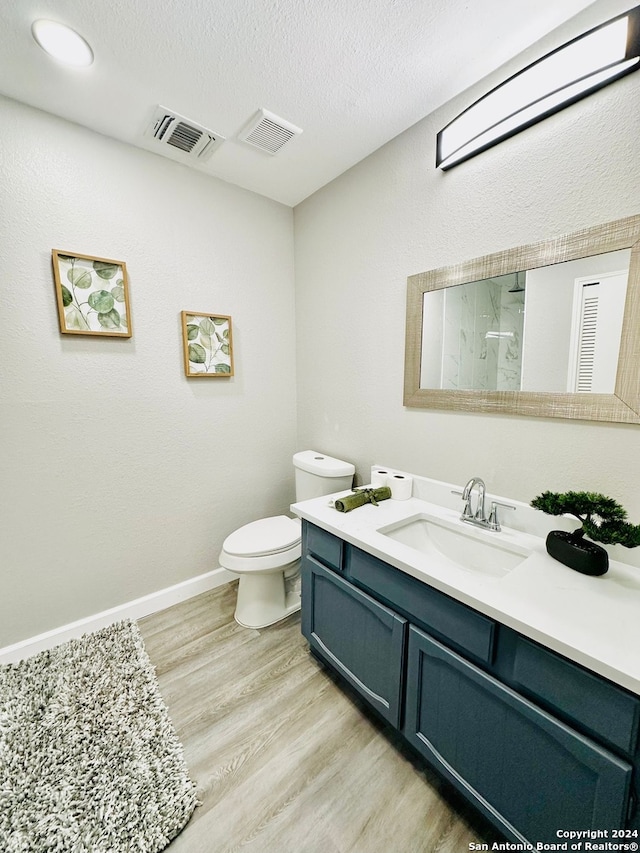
(598,314)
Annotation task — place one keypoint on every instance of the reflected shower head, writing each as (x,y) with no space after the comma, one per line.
(518,285)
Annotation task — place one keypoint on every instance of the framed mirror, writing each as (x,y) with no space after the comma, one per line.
(551,329)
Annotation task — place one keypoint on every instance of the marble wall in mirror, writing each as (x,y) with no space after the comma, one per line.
(550,329)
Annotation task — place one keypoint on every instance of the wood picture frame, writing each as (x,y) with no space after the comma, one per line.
(207,345)
(92,294)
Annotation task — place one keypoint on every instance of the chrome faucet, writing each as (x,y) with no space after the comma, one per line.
(478,516)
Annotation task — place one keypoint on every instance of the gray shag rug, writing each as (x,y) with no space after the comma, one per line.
(89,759)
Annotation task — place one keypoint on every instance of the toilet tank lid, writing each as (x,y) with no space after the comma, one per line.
(322,465)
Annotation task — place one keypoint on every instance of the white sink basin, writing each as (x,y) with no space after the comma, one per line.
(470,548)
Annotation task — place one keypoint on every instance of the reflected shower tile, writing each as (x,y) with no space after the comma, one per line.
(508,380)
(450,371)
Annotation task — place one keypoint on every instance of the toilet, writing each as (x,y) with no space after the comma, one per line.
(266,553)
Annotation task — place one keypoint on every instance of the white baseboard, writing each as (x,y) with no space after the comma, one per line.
(129,610)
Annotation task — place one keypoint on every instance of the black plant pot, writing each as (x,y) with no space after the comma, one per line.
(578,553)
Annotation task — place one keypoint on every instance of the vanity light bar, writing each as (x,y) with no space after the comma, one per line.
(560,78)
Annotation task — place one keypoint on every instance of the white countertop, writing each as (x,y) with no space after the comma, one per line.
(594,621)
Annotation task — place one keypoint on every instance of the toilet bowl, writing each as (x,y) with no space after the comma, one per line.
(266,555)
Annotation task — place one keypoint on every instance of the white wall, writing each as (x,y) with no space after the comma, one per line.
(394,215)
(118,476)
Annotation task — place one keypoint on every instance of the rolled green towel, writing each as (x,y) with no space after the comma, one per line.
(361,497)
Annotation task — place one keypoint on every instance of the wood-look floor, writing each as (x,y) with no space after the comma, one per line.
(284,760)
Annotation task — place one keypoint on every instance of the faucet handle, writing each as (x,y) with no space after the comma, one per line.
(493,522)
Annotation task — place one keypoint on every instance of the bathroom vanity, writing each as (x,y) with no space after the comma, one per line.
(512,675)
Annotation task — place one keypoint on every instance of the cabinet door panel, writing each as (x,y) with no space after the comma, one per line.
(526,770)
(360,638)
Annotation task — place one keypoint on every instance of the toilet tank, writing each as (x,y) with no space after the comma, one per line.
(318,474)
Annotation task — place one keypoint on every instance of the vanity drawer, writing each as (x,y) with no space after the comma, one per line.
(323,546)
(576,694)
(449,620)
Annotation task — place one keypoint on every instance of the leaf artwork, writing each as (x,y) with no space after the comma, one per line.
(197,354)
(75,319)
(93,295)
(101,301)
(208,348)
(104,269)
(118,292)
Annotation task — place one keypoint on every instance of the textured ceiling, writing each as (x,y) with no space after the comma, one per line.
(351,73)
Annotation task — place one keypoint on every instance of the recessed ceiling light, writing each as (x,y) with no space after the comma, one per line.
(61,42)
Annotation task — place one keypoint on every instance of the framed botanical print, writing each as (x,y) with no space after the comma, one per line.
(92,295)
(207,344)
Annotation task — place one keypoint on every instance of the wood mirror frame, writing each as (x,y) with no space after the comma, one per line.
(621,406)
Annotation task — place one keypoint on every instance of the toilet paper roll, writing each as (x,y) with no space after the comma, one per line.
(401,486)
(379,477)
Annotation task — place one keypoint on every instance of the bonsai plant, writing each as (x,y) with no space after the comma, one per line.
(602,519)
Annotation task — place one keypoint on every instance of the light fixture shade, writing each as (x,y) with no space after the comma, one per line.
(560,78)
(61,42)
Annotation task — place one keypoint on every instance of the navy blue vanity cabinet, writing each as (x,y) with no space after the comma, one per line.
(360,638)
(535,741)
(523,768)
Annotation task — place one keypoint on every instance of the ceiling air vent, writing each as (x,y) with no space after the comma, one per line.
(182,134)
(268,132)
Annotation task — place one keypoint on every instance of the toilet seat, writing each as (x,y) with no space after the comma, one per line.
(266,545)
(264,537)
